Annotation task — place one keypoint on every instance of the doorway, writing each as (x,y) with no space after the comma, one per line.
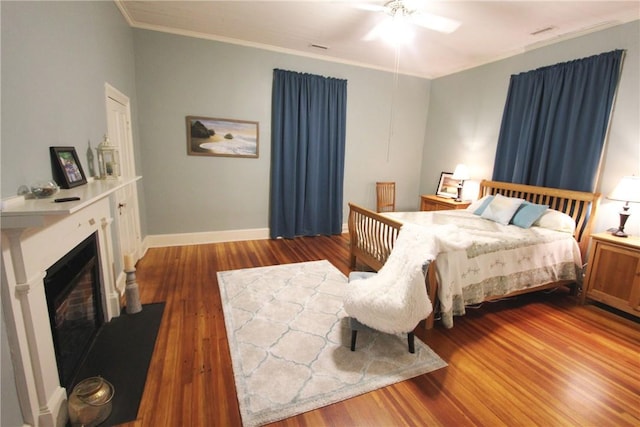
(127,221)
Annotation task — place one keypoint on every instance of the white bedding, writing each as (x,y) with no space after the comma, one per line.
(495,259)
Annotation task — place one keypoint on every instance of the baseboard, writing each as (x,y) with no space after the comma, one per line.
(183,239)
(121,283)
(164,240)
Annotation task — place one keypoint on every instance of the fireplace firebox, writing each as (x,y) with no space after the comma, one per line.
(73,296)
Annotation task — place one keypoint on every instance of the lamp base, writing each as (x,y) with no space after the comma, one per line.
(624,215)
(459,194)
(619,233)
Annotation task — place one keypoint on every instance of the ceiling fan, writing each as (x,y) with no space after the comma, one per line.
(397,30)
(402,12)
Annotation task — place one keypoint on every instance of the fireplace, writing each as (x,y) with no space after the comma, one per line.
(40,241)
(75,312)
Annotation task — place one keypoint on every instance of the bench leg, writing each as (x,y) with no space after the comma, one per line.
(354,335)
(410,339)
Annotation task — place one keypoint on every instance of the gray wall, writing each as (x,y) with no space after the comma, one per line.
(56,58)
(180,76)
(465,111)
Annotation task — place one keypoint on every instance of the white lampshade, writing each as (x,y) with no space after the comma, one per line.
(627,190)
(461,172)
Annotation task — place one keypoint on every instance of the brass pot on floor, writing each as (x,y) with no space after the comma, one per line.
(90,402)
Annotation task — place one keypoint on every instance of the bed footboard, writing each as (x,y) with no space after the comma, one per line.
(372,236)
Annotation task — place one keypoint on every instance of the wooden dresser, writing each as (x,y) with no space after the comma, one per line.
(613,272)
(431,202)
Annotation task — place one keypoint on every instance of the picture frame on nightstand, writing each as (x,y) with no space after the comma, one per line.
(447,185)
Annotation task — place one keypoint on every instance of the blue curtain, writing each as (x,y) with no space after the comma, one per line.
(555,123)
(307,154)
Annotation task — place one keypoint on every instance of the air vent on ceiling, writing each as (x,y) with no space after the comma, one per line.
(543,30)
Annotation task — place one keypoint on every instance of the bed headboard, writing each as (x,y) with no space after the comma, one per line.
(579,205)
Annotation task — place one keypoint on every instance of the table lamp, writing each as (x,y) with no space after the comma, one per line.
(460,173)
(628,191)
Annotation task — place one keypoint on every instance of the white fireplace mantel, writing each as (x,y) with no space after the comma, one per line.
(35,234)
(19,212)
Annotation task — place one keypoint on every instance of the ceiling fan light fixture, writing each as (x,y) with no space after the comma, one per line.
(410,11)
(397,8)
(398,28)
(395,31)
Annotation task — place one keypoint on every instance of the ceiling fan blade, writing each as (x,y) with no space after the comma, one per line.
(377,31)
(434,22)
(371,7)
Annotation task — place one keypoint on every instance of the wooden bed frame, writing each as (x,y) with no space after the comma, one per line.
(372,236)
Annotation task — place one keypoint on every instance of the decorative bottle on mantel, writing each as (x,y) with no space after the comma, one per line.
(90,161)
(108,160)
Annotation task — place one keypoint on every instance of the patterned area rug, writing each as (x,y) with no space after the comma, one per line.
(289,339)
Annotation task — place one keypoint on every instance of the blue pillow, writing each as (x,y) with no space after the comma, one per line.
(527,214)
(484,205)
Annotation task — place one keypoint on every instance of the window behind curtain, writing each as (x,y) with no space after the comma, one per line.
(307,154)
(555,123)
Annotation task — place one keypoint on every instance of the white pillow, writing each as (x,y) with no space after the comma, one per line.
(501,209)
(556,220)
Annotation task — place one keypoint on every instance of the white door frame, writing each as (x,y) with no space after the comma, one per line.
(125,200)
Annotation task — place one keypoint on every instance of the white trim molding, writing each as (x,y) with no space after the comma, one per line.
(184,239)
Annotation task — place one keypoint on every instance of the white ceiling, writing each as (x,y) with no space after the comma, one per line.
(489,30)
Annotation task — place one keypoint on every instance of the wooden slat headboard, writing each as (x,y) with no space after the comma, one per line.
(579,205)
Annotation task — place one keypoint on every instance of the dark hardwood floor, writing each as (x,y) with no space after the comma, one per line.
(540,359)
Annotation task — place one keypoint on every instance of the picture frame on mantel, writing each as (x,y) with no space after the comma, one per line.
(447,186)
(67,170)
(208,136)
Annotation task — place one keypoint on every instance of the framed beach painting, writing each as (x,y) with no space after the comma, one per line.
(221,137)
(447,186)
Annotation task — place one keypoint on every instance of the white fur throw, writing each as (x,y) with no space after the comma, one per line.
(395,299)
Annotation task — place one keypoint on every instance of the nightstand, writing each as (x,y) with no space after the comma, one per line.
(430,202)
(613,272)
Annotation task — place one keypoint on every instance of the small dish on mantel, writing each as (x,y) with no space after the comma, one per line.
(44,189)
